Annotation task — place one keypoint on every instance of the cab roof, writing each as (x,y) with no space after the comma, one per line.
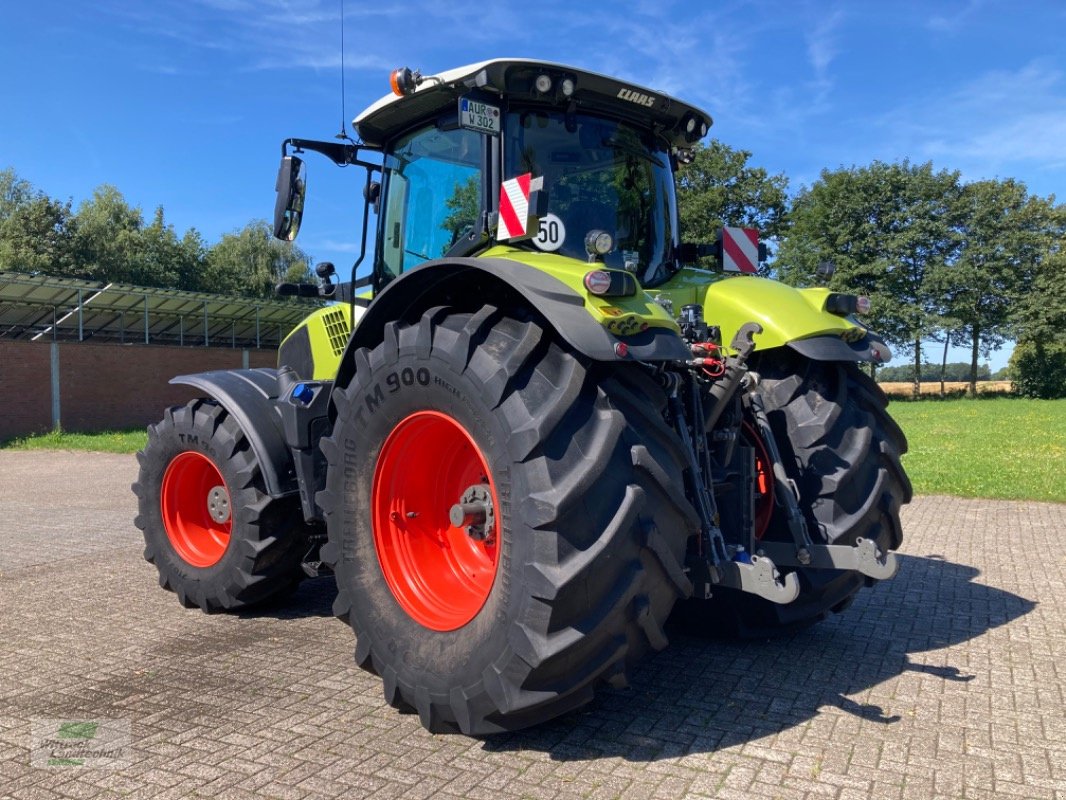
(514,79)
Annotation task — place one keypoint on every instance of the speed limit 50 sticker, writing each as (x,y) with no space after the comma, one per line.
(551,234)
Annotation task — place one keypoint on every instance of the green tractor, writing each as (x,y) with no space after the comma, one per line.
(537,424)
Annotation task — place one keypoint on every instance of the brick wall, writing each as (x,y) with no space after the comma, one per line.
(25,388)
(102,386)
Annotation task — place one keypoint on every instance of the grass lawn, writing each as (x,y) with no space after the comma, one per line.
(103,442)
(1009,448)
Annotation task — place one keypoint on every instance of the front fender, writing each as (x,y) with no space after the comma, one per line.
(248,396)
(789,317)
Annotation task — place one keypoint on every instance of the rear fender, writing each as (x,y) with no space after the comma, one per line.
(471,283)
(249,395)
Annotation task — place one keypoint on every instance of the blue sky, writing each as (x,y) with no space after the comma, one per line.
(184,104)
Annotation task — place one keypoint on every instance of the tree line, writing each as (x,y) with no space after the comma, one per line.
(953,371)
(106,239)
(943,260)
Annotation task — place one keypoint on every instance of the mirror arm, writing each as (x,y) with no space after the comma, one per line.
(339,153)
(362,242)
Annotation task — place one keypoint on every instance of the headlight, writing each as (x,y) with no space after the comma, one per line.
(598,243)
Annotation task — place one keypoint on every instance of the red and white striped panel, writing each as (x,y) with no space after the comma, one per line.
(740,250)
(514,207)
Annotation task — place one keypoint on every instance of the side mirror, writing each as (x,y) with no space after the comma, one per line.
(372,193)
(291,187)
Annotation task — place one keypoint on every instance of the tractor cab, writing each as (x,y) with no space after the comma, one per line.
(593,156)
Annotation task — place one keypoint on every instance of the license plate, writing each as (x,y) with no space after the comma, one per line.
(479,116)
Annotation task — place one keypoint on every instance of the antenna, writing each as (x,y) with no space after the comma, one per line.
(343,135)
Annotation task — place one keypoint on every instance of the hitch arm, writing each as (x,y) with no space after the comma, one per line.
(865,557)
(760,577)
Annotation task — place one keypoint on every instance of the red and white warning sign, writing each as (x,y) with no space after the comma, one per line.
(740,250)
(514,206)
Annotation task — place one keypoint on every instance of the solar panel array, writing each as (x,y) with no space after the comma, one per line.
(46,308)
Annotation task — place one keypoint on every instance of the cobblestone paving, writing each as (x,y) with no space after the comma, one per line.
(946,682)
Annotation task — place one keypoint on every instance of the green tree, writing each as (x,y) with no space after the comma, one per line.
(160,255)
(719,187)
(889,230)
(108,240)
(1004,234)
(36,231)
(252,262)
(193,263)
(14,192)
(1038,364)
(38,236)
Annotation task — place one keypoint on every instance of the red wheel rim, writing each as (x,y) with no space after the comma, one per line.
(438,573)
(191,484)
(764,481)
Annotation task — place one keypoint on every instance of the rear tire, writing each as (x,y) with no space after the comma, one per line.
(843,451)
(196,464)
(590,520)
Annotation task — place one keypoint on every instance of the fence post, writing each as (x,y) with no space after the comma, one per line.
(55,386)
(146,319)
(81,337)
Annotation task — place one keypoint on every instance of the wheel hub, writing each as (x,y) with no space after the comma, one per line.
(218,504)
(475,514)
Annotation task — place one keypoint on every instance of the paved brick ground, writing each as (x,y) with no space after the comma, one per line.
(944,683)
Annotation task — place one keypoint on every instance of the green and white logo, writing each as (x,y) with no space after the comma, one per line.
(99,743)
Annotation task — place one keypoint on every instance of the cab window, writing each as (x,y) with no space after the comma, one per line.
(433,195)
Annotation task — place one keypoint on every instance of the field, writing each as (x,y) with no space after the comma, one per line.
(1002,447)
(904,388)
(1009,448)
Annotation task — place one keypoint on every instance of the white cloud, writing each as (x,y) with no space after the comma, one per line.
(259,35)
(1001,120)
(330,245)
(822,48)
(952,23)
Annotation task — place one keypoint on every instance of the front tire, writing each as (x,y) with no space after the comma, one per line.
(575,571)
(843,450)
(218,540)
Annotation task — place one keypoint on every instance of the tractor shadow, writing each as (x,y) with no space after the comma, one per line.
(703,694)
(312,598)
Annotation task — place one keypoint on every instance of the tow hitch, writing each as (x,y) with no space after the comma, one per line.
(723,564)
